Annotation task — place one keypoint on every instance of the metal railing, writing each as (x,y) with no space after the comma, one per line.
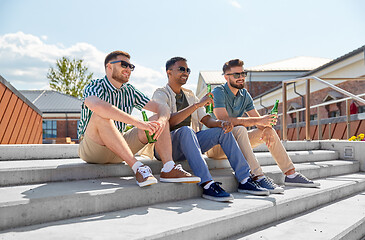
(307,103)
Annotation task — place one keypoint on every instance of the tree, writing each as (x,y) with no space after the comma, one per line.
(69,76)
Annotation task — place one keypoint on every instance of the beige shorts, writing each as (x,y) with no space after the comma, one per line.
(91,152)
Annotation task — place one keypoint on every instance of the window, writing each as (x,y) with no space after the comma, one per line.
(313,117)
(334,114)
(49,129)
(293,120)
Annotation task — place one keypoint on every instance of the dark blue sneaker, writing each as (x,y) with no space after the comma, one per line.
(216,193)
(251,187)
(269,184)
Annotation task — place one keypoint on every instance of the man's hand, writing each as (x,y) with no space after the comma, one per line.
(227,126)
(152,127)
(267,137)
(162,125)
(268,120)
(206,100)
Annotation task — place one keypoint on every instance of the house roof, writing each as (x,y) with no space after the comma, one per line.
(213,77)
(339,59)
(350,54)
(301,63)
(50,101)
(296,64)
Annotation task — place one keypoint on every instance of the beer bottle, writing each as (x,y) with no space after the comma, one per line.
(149,137)
(274,110)
(209,108)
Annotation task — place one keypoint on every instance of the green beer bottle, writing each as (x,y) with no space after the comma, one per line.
(274,110)
(149,137)
(209,108)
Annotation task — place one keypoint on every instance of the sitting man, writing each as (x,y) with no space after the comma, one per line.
(231,101)
(189,143)
(106,108)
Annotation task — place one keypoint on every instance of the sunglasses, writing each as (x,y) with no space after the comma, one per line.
(124,64)
(183,69)
(238,75)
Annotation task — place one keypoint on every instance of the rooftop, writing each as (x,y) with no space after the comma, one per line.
(50,101)
(301,63)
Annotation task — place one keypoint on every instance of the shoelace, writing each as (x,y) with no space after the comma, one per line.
(217,188)
(303,177)
(145,171)
(179,168)
(271,181)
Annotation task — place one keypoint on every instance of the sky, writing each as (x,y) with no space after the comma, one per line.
(35,33)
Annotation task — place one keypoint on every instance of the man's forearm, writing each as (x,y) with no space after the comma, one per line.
(180,116)
(163,113)
(245,121)
(108,111)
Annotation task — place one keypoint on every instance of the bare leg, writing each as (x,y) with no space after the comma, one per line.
(163,145)
(104,132)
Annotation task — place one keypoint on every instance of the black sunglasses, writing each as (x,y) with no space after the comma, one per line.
(183,69)
(238,75)
(124,64)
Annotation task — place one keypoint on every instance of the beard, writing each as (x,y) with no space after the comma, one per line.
(237,85)
(119,77)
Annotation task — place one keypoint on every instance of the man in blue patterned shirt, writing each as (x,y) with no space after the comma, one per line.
(106,108)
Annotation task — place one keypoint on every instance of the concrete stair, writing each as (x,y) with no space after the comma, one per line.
(46,194)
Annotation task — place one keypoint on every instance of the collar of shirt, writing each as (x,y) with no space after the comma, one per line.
(230,93)
(111,86)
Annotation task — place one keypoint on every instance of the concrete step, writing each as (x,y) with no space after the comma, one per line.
(344,219)
(193,218)
(18,172)
(25,204)
(62,151)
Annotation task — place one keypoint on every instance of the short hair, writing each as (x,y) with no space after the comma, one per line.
(172,61)
(232,63)
(114,55)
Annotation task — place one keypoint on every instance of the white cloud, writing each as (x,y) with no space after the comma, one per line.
(235,4)
(25,60)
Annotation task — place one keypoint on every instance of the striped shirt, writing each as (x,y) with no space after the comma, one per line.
(125,98)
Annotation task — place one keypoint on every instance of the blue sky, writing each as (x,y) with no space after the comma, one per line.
(34,33)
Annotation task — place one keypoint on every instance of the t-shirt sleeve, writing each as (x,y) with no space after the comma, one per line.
(140,100)
(250,105)
(218,98)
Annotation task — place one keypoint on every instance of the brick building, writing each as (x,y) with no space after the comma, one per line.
(265,86)
(61,113)
(346,72)
(265,77)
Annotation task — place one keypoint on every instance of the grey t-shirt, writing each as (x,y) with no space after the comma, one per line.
(181,103)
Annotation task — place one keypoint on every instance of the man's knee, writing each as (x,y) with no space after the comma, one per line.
(270,131)
(186,130)
(99,120)
(239,130)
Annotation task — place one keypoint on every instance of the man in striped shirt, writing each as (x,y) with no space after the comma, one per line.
(106,108)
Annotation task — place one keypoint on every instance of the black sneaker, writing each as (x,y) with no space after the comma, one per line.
(300,181)
(269,184)
(252,187)
(216,193)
